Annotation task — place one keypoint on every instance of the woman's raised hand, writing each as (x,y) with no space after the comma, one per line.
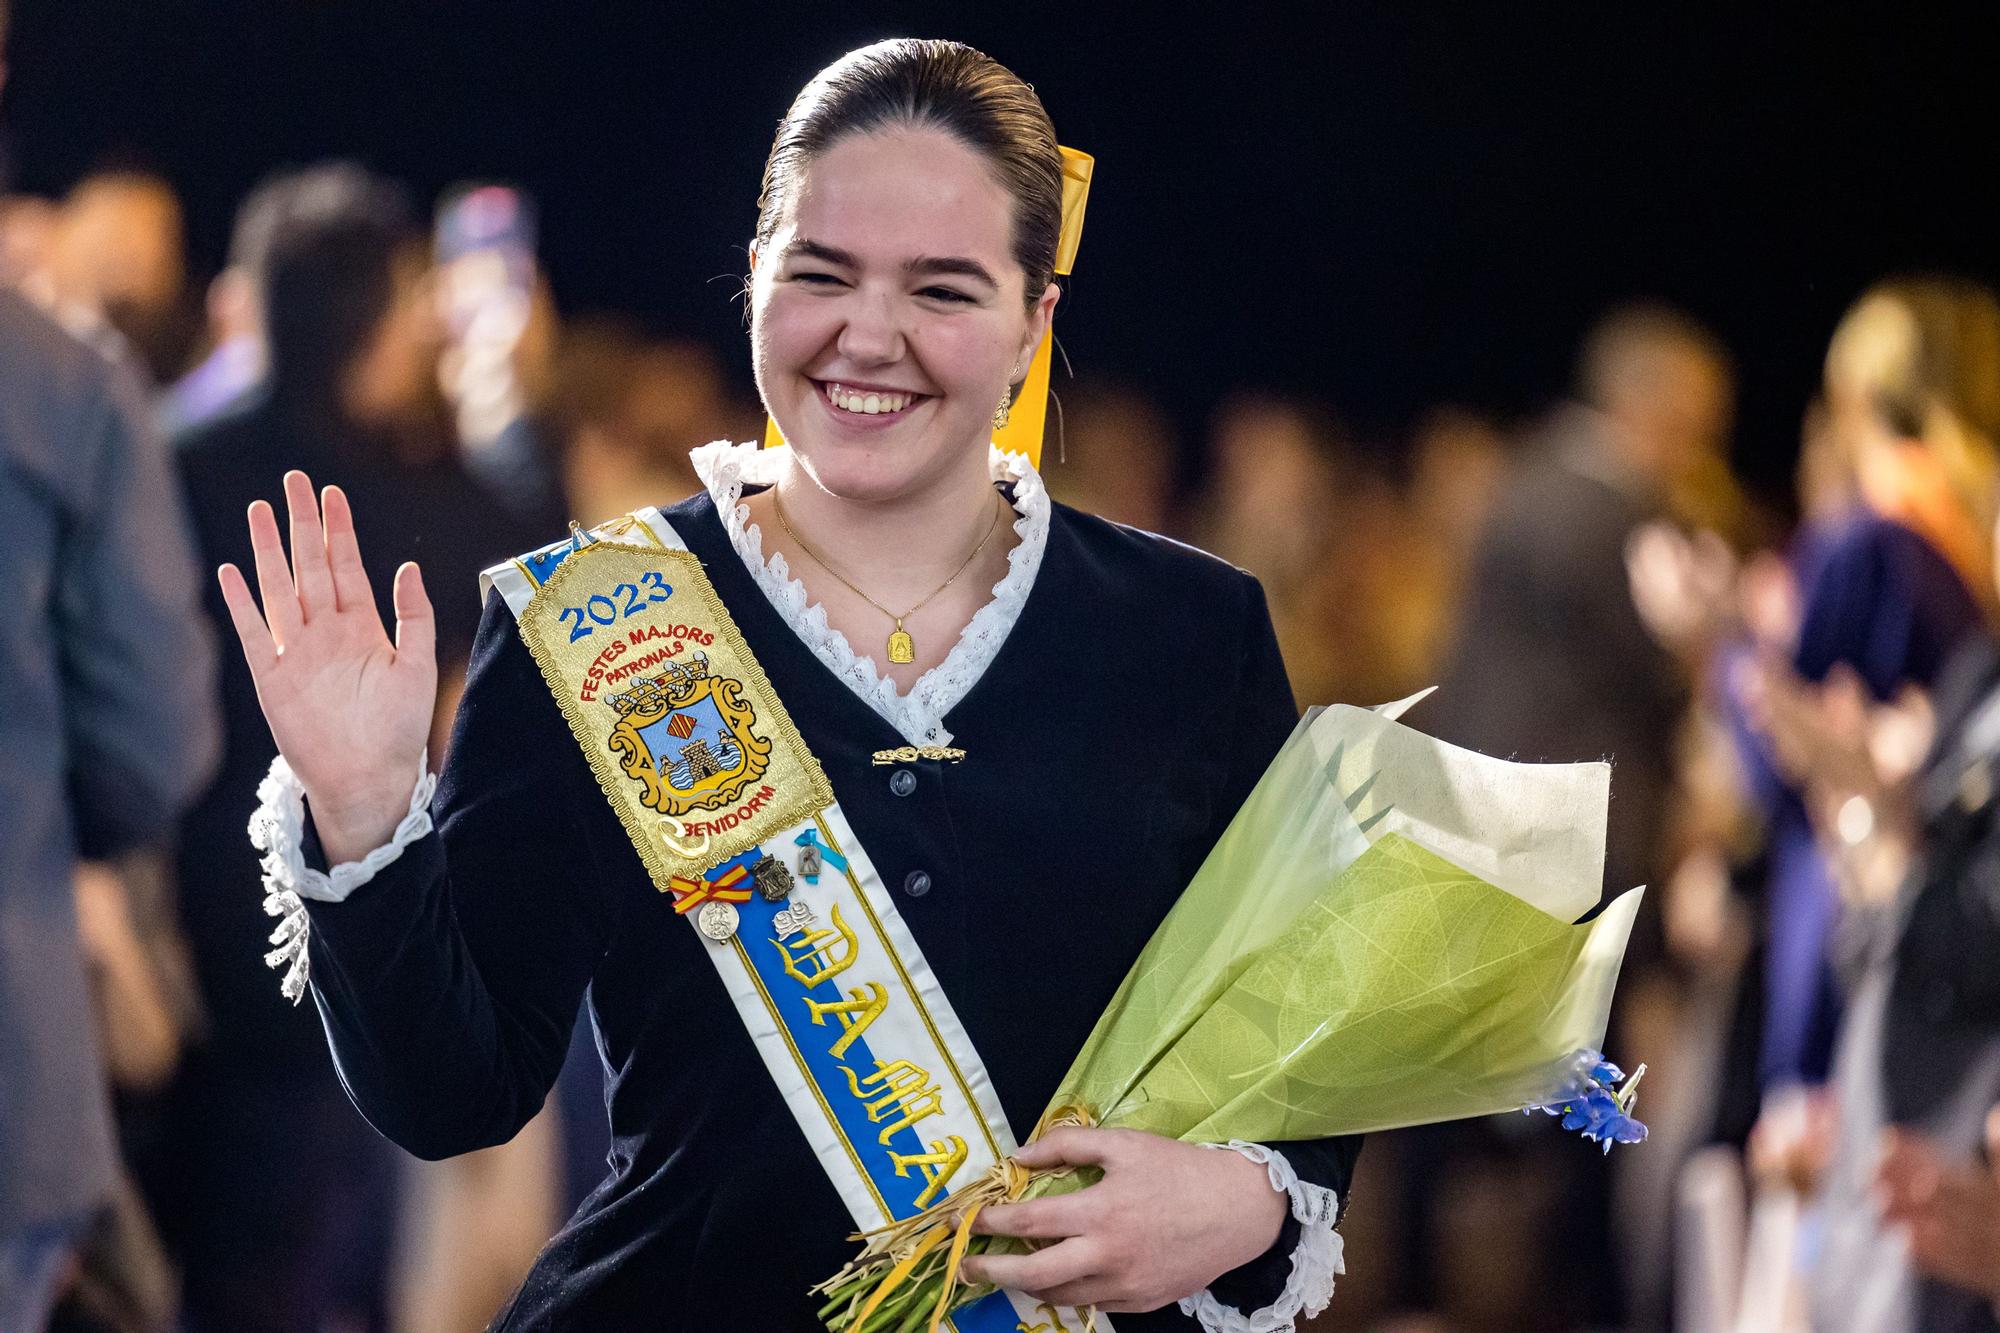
(350,711)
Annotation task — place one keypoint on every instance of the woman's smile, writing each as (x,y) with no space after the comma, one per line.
(861,406)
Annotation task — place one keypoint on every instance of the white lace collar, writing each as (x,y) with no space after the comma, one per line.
(725,468)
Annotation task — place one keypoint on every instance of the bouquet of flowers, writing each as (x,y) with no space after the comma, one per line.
(1384,936)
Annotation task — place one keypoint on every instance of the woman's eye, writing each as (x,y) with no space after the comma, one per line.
(946,294)
(816,279)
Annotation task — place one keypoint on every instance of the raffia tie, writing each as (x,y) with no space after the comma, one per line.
(897,1249)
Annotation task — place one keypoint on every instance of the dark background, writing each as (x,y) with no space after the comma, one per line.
(1387,204)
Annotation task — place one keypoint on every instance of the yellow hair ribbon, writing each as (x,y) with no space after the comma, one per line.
(1028,421)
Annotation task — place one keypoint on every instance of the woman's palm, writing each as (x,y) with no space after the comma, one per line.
(350,711)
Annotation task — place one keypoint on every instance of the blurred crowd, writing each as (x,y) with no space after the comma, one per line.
(1801,703)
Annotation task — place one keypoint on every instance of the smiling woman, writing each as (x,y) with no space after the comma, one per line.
(712,850)
(890,319)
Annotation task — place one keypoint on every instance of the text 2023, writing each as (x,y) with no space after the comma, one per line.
(635,600)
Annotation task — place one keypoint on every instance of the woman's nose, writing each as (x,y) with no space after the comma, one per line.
(873,333)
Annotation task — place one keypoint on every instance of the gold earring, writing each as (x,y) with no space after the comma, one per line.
(1001,412)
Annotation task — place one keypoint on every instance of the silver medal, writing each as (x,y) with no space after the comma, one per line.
(717,921)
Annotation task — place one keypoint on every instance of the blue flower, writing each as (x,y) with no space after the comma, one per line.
(1625,1130)
(1596,1106)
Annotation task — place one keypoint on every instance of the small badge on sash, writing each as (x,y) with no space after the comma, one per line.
(774,882)
(790,920)
(717,920)
(815,856)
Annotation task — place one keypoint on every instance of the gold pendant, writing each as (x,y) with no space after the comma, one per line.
(902,648)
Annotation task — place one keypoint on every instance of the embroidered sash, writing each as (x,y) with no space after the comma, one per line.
(732,815)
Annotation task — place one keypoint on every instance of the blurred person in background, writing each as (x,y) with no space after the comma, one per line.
(500,332)
(1269,508)
(1739,828)
(1381,601)
(109,729)
(1458,459)
(1274,465)
(1364,569)
(107,262)
(146,1011)
(233,364)
(1722,844)
(275,1193)
(1899,586)
(1114,455)
(27,228)
(116,265)
(1890,587)
(1553,661)
(1948,1210)
(1895,649)
(626,411)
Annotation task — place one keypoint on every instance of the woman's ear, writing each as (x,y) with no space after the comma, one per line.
(1038,323)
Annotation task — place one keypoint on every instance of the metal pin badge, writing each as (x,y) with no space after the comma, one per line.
(790,920)
(717,921)
(774,882)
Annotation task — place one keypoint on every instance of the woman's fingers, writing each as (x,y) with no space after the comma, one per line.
(1044,1270)
(259,649)
(1072,1145)
(351,591)
(274,575)
(309,563)
(1037,1219)
(416,631)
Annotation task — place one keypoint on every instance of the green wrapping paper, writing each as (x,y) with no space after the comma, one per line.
(1327,973)
(1407,992)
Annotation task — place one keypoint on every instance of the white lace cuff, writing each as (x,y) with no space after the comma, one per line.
(277,829)
(1315,1263)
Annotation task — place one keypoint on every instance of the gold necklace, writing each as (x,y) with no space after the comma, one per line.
(902,648)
